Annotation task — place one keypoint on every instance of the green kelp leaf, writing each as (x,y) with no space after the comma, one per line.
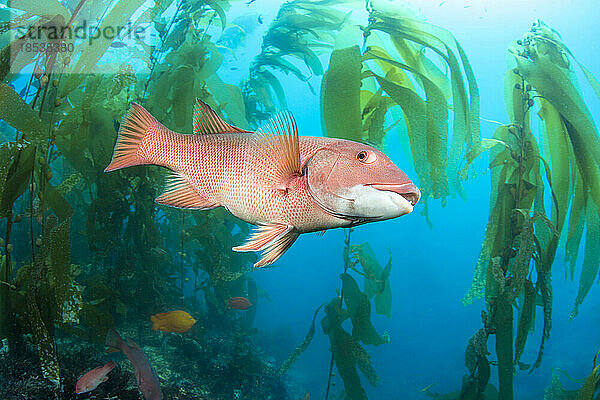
(183,98)
(415,112)
(17,178)
(231,100)
(91,51)
(591,258)
(340,95)
(42,8)
(360,312)
(302,347)
(377,283)
(526,319)
(557,144)
(219,6)
(476,348)
(436,128)
(18,114)
(67,294)
(41,336)
(466,110)
(558,86)
(513,97)
(576,223)
(57,202)
(589,387)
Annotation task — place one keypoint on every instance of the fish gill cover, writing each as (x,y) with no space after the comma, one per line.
(85,251)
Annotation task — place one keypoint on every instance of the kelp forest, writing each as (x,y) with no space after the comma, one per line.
(85,253)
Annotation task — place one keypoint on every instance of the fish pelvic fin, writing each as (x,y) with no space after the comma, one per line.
(277,141)
(262,235)
(276,249)
(114,342)
(180,193)
(207,121)
(136,125)
(273,239)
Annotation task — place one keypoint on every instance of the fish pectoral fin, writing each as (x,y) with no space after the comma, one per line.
(262,235)
(276,249)
(180,193)
(277,142)
(207,121)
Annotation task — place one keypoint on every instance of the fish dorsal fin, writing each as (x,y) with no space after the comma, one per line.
(278,142)
(208,122)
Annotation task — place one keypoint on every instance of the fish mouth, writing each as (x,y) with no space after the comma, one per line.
(407,190)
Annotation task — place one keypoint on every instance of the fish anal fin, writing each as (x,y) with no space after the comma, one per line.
(276,249)
(180,193)
(262,235)
(277,141)
(207,121)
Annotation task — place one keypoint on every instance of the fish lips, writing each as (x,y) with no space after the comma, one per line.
(407,190)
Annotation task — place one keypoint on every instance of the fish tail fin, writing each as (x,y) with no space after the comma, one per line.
(113,341)
(110,365)
(136,124)
(155,323)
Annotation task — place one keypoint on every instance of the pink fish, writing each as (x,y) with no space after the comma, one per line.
(145,376)
(93,378)
(284,183)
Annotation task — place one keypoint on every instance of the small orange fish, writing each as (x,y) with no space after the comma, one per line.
(239,303)
(173,321)
(93,378)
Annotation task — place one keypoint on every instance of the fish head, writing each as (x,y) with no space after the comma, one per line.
(83,386)
(359,183)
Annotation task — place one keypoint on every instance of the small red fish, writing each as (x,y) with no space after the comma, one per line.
(239,303)
(91,379)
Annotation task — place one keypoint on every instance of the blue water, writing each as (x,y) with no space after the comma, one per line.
(432,268)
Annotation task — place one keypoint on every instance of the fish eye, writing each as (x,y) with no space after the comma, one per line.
(366,157)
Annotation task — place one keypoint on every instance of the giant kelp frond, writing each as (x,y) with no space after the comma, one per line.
(395,80)
(301,31)
(524,229)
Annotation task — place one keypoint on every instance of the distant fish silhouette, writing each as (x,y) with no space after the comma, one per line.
(117,45)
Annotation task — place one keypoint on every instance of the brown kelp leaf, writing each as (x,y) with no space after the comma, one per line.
(347,352)
(526,318)
(302,347)
(17,177)
(377,283)
(576,223)
(360,312)
(18,114)
(340,95)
